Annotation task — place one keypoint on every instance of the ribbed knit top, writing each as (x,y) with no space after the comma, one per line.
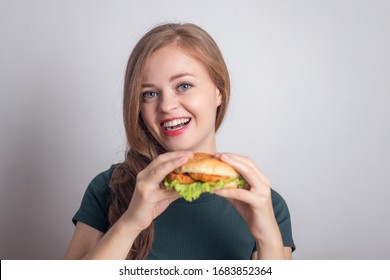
(207,228)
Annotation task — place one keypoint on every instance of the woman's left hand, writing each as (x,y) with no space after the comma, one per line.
(254,203)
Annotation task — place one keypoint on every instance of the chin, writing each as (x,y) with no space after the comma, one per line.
(188,142)
(172,148)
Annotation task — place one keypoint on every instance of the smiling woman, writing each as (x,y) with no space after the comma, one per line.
(185,99)
(176,93)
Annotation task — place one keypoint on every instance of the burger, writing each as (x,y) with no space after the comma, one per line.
(203,173)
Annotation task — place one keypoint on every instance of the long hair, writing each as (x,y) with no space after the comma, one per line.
(142,148)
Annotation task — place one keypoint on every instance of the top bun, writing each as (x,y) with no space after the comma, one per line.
(207,164)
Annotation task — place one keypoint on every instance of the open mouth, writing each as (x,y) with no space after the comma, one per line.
(176,124)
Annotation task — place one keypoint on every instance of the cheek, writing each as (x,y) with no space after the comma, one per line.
(147,115)
(198,107)
(194,103)
(204,107)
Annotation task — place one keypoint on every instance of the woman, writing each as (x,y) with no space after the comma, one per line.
(176,85)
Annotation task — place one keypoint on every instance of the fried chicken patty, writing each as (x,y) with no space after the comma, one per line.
(188,178)
(182,178)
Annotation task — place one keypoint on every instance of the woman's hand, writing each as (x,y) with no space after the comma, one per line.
(150,198)
(255,205)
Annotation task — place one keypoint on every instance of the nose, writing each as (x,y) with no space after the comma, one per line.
(168,102)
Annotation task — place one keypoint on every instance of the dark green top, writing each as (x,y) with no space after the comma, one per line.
(207,228)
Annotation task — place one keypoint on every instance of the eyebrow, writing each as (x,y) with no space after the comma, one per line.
(174,77)
(171,79)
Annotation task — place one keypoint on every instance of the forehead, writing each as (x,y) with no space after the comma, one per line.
(171,60)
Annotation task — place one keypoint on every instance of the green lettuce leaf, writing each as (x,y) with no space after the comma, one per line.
(192,191)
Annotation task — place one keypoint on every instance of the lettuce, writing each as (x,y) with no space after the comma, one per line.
(192,191)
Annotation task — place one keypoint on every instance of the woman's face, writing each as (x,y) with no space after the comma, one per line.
(179,101)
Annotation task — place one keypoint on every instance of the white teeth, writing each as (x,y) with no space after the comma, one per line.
(173,123)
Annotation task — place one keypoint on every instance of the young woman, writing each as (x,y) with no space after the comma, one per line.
(176,94)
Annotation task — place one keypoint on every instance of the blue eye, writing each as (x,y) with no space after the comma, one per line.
(149,95)
(184,87)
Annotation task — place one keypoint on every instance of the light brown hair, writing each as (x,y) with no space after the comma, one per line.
(142,147)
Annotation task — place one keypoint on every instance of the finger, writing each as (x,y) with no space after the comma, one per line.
(161,193)
(244,159)
(167,157)
(237,194)
(162,165)
(246,167)
(162,205)
(163,198)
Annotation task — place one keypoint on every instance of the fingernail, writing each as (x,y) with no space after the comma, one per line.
(225,157)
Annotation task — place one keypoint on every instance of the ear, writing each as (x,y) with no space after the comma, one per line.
(219,97)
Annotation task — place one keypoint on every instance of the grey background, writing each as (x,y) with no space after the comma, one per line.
(310,99)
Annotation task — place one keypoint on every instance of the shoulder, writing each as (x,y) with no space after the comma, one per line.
(99,185)
(282,216)
(277,199)
(280,205)
(103,178)
(94,206)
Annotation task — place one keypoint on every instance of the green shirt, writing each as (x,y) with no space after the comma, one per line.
(207,228)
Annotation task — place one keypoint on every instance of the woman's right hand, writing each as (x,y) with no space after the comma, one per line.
(149,200)
(150,197)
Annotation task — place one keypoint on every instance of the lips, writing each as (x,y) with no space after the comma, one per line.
(174,127)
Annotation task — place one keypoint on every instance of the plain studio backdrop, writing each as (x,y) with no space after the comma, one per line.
(310,105)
